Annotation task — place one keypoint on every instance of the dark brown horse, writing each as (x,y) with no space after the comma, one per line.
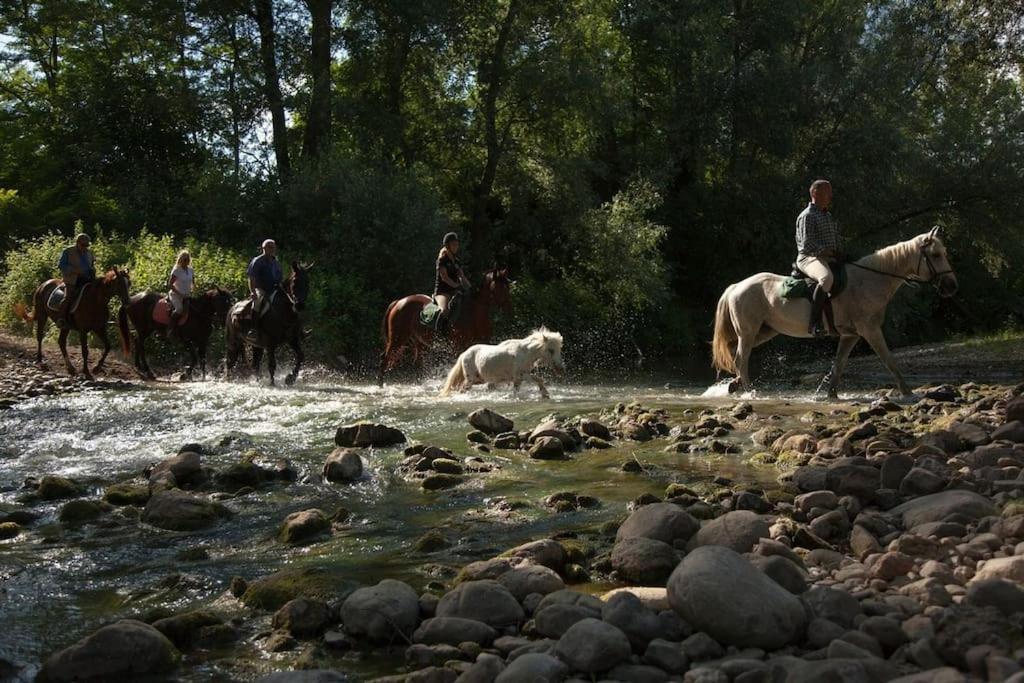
(280,324)
(202,312)
(89,316)
(403,330)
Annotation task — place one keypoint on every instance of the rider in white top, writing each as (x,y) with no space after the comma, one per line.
(180,288)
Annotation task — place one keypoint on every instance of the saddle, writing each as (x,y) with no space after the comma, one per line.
(56,298)
(799,286)
(162,312)
(431,313)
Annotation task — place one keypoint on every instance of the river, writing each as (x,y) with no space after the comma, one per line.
(59,583)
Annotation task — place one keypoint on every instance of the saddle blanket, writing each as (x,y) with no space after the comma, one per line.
(802,287)
(57,298)
(429,315)
(162,312)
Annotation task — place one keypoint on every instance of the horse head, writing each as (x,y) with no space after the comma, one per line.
(298,284)
(498,286)
(117,283)
(220,301)
(551,349)
(933,265)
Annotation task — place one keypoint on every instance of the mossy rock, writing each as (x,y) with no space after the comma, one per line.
(183,629)
(54,487)
(762,458)
(576,552)
(1013,508)
(80,511)
(788,460)
(126,494)
(779,496)
(436,482)
(9,530)
(675,490)
(430,542)
(273,591)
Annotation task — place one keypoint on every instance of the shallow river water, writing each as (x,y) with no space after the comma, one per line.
(60,583)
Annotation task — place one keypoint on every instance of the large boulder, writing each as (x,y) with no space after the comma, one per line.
(55,487)
(183,470)
(363,434)
(547,552)
(183,629)
(487,601)
(1009,568)
(531,578)
(626,612)
(1011,431)
(177,510)
(343,465)
(665,522)
(719,592)
(454,631)
(644,561)
(382,612)
(274,590)
(535,667)
(593,428)
(853,477)
(592,646)
(739,530)
(553,429)
(490,422)
(938,506)
(125,650)
(547,448)
(302,617)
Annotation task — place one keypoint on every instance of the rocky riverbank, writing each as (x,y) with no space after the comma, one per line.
(891,548)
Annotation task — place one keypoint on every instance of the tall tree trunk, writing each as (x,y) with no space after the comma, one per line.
(236,115)
(263,12)
(318,119)
(491,76)
(398,59)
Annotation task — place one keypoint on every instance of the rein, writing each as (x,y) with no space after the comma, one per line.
(912,280)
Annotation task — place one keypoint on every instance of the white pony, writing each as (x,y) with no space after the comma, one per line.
(509,361)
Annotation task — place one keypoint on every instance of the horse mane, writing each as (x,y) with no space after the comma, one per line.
(110,276)
(543,335)
(892,257)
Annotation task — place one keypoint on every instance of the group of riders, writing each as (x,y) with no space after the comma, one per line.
(818,245)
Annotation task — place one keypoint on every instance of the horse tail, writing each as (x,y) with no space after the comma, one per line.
(722,355)
(122,327)
(456,378)
(22,312)
(387,318)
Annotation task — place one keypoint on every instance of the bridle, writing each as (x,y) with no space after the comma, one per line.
(923,257)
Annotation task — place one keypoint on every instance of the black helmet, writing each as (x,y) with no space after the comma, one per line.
(449,238)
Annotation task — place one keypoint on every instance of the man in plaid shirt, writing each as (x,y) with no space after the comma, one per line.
(817,242)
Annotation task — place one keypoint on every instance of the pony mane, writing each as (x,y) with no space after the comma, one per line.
(543,335)
(890,258)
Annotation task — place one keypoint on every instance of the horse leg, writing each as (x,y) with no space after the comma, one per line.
(296,344)
(876,339)
(193,359)
(102,333)
(846,344)
(272,362)
(83,338)
(62,342)
(202,359)
(743,348)
(540,385)
(257,358)
(41,317)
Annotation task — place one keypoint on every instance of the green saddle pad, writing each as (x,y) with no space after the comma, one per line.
(800,288)
(428,316)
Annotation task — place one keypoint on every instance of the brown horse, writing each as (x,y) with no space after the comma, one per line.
(403,330)
(89,316)
(202,312)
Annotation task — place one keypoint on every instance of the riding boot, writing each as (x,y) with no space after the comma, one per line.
(819,298)
(62,314)
(442,323)
(172,323)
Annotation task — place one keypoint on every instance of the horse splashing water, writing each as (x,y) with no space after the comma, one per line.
(88,315)
(194,331)
(280,324)
(753,311)
(509,361)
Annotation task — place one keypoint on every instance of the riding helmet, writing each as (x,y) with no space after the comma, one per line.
(449,238)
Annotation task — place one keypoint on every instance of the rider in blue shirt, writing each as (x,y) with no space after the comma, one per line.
(264,277)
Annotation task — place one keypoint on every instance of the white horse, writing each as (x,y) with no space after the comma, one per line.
(753,311)
(509,361)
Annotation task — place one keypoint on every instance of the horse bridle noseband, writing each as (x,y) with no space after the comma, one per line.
(933,273)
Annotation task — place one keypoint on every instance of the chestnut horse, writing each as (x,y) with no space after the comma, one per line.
(89,316)
(203,312)
(403,330)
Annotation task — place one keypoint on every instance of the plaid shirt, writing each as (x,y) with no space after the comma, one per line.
(817,232)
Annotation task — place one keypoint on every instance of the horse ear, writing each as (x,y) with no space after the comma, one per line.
(309,266)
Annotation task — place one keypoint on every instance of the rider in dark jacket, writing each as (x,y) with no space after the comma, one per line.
(77,269)
(449,279)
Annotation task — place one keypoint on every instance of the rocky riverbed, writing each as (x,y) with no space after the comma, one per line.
(879,541)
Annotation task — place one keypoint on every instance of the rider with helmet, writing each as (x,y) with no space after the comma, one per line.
(449,279)
(818,241)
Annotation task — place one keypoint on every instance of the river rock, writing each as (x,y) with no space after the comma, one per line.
(531,578)
(739,530)
(854,477)
(486,600)
(126,494)
(177,510)
(1011,431)
(453,631)
(551,428)
(381,612)
(274,590)
(938,506)
(304,526)
(810,478)
(535,667)
(719,592)
(123,650)
(592,646)
(80,511)
(894,468)
(343,465)
(641,625)
(546,551)
(439,481)
(185,470)
(921,482)
(54,487)
(184,629)
(970,434)
(9,530)
(782,571)
(490,422)
(595,429)
(363,434)
(832,604)
(302,617)
(1009,568)
(308,676)
(1006,596)
(644,561)
(485,669)
(552,621)
(547,448)
(665,522)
